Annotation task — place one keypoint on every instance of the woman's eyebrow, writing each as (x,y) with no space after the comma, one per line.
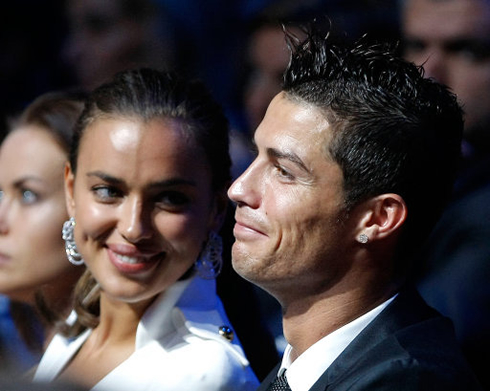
(163,183)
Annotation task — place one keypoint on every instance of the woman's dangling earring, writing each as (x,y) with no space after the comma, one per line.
(70,246)
(209,264)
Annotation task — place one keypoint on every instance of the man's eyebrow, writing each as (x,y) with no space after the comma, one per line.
(291,156)
(164,183)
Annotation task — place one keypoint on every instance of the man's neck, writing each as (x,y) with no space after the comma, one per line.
(308,320)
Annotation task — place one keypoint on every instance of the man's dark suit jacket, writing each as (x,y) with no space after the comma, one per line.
(408,346)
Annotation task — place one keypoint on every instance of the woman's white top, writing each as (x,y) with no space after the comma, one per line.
(179,346)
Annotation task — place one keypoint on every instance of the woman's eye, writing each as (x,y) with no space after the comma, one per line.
(105,193)
(29,197)
(172,199)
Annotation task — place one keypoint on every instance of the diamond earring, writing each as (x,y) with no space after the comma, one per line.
(70,246)
(209,264)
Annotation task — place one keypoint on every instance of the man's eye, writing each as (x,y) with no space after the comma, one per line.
(282,172)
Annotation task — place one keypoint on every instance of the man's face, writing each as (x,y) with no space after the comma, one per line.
(451,38)
(290,204)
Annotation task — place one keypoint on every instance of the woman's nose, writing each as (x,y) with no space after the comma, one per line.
(135,222)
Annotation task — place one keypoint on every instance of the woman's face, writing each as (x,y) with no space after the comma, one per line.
(143,205)
(32,211)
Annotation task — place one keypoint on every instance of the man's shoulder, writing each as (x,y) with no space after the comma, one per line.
(409,329)
(406,346)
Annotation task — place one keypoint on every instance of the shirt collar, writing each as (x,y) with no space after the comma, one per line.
(157,320)
(309,366)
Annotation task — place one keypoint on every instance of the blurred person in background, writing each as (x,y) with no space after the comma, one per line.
(31,34)
(268,57)
(106,37)
(456,54)
(34,271)
(451,40)
(267,54)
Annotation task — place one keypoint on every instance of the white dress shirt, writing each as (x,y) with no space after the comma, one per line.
(303,372)
(178,347)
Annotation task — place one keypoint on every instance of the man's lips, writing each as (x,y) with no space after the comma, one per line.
(245,229)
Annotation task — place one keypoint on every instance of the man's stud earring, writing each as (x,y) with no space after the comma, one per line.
(363,238)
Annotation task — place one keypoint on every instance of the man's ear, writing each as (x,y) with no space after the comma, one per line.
(69,187)
(382,217)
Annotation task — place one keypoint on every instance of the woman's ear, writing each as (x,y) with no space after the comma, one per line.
(69,187)
(383,216)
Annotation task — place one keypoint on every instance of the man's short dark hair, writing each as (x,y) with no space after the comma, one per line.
(394,131)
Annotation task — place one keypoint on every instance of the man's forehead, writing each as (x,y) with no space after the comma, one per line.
(295,131)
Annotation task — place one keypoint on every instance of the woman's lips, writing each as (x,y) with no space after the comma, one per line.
(132,262)
(4,258)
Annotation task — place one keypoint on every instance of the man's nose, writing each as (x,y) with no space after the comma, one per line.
(245,189)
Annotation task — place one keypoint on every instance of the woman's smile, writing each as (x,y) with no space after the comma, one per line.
(130,260)
(133,264)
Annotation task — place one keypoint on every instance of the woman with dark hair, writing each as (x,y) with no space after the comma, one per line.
(34,273)
(146,192)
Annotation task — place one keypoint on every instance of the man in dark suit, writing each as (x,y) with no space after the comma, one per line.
(356,159)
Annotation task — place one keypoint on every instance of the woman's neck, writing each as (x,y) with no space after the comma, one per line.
(119,320)
(110,343)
